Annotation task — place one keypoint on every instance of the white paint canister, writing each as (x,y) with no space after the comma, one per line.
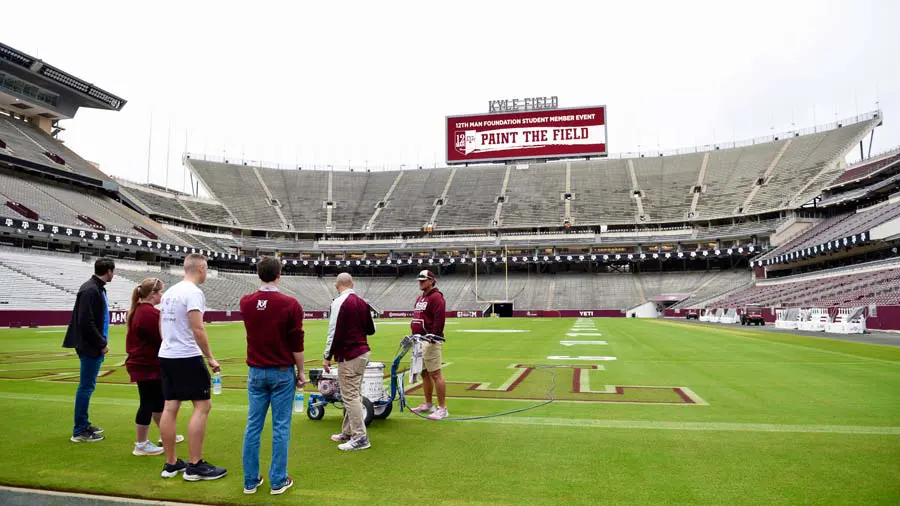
(373,381)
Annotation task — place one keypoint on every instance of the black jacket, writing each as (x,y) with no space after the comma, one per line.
(85,332)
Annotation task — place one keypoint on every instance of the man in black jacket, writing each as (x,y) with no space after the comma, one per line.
(87,333)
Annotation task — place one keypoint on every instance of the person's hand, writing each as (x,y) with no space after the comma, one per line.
(300,380)
(326,364)
(214,364)
(105,350)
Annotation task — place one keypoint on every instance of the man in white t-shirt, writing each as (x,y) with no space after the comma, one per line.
(184,375)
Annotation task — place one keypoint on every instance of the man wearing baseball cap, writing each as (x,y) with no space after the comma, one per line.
(429,319)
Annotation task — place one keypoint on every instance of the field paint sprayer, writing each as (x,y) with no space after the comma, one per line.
(377,401)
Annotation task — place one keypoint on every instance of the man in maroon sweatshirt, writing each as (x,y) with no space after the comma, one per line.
(350,323)
(429,318)
(274,324)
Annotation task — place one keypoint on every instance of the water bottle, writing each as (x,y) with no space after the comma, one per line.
(298,401)
(217,383)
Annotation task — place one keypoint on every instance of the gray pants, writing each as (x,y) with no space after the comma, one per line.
(350,377)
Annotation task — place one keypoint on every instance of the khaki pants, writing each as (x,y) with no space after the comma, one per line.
(350,377)
(431,356)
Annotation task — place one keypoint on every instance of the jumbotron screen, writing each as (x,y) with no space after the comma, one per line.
(544,134)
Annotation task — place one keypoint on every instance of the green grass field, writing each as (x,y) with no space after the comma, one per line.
(723,416)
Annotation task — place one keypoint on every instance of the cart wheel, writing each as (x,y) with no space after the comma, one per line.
(384,411)
(368,411)
(315,412)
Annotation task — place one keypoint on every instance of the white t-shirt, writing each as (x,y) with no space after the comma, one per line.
(177,337)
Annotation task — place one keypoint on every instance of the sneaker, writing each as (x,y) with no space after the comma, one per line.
(203,470)
(355,444)
(424,408)
(172,470)
(178,438)
(253,490)
(280,490)
(95,430)
(146,448)
(439,414)
(86,437)
(340,438)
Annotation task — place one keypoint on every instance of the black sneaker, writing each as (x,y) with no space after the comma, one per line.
(95,430)
(203,470)
(172,470)
(86,437)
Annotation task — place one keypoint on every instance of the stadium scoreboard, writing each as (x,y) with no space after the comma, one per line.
(526,129)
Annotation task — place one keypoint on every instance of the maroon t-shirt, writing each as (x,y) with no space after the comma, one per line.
(274,324)
(142,344)
(429,314)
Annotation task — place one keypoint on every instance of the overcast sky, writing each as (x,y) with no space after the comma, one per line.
(370,82)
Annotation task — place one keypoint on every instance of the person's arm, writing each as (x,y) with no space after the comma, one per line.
(195,319)
(295,338)
(87,323)
(332,326)
(439,316)
(369,322)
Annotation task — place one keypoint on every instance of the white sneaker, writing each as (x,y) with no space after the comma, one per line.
(439,414)
(178,438)
(355,444)
(424,408)
(146,448)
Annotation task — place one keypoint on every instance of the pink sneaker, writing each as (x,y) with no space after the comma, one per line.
(439,414)
(424,408)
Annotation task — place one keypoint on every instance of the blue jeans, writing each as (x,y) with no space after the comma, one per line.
(90,368)
(275,386)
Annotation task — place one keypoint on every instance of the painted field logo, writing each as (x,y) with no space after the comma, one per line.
(573,384)
(528,382)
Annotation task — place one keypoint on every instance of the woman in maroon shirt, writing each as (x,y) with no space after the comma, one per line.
(142,345)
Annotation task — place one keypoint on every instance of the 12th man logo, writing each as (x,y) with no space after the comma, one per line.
(460,141)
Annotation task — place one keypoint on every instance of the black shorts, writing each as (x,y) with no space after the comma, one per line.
(185,379)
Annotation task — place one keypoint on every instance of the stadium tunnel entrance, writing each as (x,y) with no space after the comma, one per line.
(500,308)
